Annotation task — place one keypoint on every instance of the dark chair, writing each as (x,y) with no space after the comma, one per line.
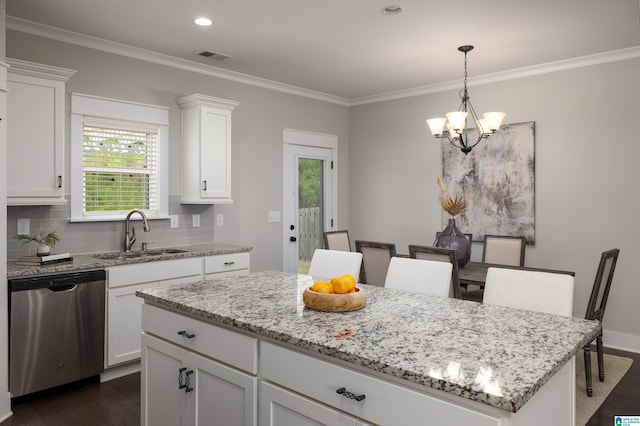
(499,250)
(439,254)
(337,240)
(504,250)
(595,311)
(375,261)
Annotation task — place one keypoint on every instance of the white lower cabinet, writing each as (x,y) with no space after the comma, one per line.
(226,264)
(280,407)
(124,307)
(180,387)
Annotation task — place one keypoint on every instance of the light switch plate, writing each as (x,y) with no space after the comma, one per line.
(174,220)
(24,225)
(274,216)
(220,219)
(195,221)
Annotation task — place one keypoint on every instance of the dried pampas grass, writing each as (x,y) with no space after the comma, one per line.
(452,205)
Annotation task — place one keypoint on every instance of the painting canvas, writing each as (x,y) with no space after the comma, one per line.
(497,179)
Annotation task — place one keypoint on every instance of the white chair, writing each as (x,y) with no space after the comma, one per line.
(421,276)
(335,263)
(545,292)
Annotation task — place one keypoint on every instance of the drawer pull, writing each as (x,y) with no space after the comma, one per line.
(229,263)
(186,334)
(347,394)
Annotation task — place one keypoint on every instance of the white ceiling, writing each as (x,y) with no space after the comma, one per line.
(348,48)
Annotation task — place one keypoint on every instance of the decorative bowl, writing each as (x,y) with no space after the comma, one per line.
(334,302)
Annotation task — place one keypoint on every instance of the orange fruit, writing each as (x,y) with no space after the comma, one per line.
(343,284)
(322,287)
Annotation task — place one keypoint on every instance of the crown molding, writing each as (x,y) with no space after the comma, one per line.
(549,67)
(46,31)
(84,40)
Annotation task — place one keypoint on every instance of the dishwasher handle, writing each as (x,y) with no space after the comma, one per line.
(63,287)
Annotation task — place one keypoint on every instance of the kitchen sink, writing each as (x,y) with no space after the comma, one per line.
(138,253)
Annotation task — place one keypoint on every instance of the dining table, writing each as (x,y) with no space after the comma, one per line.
(475,273)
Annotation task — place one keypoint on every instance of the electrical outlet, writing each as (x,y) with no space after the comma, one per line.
(274,216)
(220,219)
(24,225)
(195,220)
(174,220)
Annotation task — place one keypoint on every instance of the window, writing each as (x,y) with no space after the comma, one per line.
(118,159)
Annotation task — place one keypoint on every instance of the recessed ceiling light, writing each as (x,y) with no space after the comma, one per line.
(392,9)
(203,22)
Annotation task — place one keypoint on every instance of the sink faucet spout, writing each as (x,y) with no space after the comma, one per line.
(129,231)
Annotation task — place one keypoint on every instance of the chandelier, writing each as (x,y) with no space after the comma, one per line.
(454,127)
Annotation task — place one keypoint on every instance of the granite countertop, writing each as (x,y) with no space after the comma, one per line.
(92,261)
(494,355)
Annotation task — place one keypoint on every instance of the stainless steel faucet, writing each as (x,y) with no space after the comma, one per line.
(130,236)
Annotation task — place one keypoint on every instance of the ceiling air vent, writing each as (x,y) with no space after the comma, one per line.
(213,55)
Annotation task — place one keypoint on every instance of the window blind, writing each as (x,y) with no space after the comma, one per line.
(120,168)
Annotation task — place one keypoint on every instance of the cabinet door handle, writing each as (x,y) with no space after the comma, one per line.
(229,263)
(347,394)
(59,181)
(188,380)
(186,334)
(181,384)
(204,185)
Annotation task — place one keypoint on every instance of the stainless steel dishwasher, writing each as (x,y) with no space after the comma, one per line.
(56,326)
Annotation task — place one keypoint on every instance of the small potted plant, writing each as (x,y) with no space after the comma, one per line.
(46,242)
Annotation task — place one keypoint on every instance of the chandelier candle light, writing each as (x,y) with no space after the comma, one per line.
(455,128)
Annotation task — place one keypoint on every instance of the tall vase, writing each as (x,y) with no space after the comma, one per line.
(451,237)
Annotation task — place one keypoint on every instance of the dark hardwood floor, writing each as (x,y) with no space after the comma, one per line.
(117,402)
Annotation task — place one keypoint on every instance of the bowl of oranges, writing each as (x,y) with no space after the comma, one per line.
(338,294)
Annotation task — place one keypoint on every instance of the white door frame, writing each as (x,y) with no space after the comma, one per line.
(299,144)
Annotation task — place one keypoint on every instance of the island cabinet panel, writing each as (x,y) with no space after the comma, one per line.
(382,402)
(123,307)
(235,349)
(180,387)
(280,407)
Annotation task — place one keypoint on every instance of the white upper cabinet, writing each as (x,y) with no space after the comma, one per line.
(206,149)
(35,133)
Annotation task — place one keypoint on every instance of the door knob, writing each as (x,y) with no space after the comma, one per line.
(293,239)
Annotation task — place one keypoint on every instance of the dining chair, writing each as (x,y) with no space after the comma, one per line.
(504,250)
(334,263)
(439,254)
(421,276)
(499,250)
(375,261)
(546,292)
(337,240)
(595,311)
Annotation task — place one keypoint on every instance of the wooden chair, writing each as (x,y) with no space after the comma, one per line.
(546,292)
(422,276)
(504,250)
(439,254)
(334,263)
(375,261)
(595,311)
(499,250)
(337,240)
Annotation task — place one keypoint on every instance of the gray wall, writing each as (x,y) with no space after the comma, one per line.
(257,145)
(586,175)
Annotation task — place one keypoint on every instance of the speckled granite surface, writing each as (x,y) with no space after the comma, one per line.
(90,261)
(490,354)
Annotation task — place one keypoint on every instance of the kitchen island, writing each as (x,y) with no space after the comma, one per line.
(404,358)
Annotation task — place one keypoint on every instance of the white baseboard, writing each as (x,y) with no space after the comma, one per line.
(624,342)
(5,406)
(120,371)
